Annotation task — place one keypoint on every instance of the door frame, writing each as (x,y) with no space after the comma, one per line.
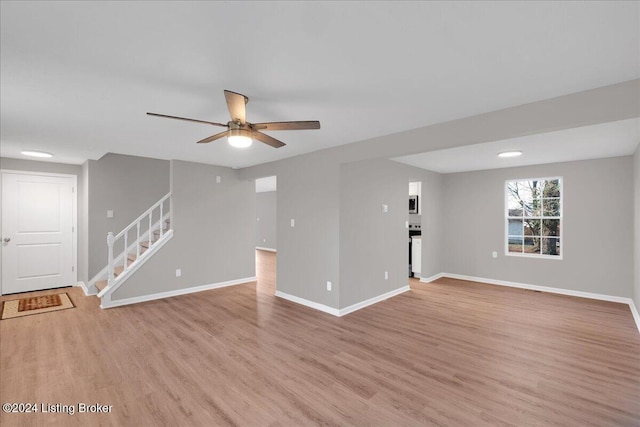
(74,214)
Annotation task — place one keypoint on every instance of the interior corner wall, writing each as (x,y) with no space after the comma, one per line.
(128,185)
(597,223)
(636,258)
(266,207)
(213,241)
(308,257)
(67,169)
(373,241)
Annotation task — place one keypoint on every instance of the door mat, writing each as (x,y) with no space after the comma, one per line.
(36,305)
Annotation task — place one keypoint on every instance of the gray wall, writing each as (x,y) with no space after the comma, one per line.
(213,233)
(636,260)
(309,254)
(62,168)
(128,185)
(266,205)
(372,241)
(308,257)
(597,221)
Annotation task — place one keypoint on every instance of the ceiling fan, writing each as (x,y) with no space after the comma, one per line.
(240,133)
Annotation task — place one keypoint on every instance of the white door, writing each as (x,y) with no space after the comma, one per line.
(38,229)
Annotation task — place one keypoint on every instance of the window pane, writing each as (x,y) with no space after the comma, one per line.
(514,202)
(550,246)
(515,244)
(515,227)
(551,188)
(532,245)
(532,227)
(551,207)
(551,227)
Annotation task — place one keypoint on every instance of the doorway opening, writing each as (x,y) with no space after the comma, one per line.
(265,233)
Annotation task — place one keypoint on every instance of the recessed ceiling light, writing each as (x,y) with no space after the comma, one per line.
(506,154)
(41,154)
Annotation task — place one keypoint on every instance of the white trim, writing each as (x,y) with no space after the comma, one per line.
(432,278)
(307,303)
(371,301)
(560,291)
(139,262)
(344,311)
(260,248)
(636,315)
(168,294)
(85,289)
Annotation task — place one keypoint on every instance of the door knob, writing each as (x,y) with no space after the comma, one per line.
(6,240)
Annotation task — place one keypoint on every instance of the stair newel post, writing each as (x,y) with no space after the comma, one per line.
(110,241)
(138,240)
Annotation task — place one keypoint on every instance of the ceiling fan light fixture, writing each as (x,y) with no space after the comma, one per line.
(239,138)
(507,154)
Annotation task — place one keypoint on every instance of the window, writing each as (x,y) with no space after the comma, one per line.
(534,217)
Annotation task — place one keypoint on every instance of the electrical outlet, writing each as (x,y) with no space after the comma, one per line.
(218,179)
(258,219)
(494,254)
(109,213)
(293,222)
(328,286)
(386,275)
(178,272)
(385,208)
(264,240)
(406,224)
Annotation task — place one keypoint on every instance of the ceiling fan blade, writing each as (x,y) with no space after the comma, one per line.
(236,103)
(188,120)
(214,137)
(262,137)
(286,125)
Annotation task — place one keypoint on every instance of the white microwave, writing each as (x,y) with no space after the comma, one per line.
(413,204)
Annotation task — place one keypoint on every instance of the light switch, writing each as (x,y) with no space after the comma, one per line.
(109,213)
(293,222)
(218,179)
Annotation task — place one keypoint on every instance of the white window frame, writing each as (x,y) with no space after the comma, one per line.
(506,219)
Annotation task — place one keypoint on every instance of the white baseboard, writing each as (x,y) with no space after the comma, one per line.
(87,291)
(346,310)
(636,315)
(260,248)
(432,278)
(177,292)
(371,301)
(307,303)
(560,291)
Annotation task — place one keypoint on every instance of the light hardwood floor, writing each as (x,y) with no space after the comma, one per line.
(448,353)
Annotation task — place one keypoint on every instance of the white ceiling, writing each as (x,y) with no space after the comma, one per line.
(77,77)
(589,142)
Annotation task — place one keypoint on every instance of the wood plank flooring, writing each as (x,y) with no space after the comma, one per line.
(447,353)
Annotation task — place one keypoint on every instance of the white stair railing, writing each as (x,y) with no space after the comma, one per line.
(164,215)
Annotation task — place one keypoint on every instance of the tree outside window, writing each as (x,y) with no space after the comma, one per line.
(534,215)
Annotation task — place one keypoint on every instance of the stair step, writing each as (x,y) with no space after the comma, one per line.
(117,270)
(101,284)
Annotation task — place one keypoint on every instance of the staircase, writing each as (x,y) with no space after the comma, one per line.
(146,237)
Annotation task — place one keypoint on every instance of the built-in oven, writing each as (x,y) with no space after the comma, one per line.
(413,204)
